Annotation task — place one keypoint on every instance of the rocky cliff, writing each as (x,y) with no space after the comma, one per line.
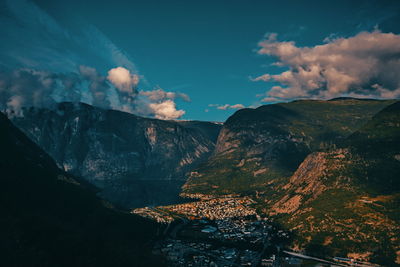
(122,154)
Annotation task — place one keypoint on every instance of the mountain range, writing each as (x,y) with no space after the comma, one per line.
(327,171)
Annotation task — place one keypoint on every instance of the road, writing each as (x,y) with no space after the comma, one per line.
(306,257)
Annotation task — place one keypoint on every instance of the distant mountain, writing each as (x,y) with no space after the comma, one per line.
(49,218)
(134,161)
(259,147)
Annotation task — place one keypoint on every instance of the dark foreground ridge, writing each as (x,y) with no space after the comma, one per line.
(49,218)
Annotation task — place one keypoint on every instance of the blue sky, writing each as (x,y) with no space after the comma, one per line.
(205,49)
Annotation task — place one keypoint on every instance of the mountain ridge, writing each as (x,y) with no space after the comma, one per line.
(263,144)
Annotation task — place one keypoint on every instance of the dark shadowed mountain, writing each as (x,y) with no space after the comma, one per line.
(49,218)
(134,161)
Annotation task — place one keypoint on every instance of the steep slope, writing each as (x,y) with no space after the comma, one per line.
(346,201)
(260,147)
(49,218)
(209,129)
(126,156)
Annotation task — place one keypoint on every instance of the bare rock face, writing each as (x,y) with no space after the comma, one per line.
(117,151)
(311,179)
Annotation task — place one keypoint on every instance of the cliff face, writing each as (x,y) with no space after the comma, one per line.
(117,151)
(308,182)
(259,147)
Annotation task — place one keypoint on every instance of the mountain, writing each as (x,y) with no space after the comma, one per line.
(257,148)
(50,218)
(329,171)
(346,201)
(134,161)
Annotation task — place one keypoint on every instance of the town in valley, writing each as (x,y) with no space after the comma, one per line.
(227,232)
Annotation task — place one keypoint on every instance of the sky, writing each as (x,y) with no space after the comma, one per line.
(199,60)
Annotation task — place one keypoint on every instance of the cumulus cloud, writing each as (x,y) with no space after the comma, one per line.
(160,95)
(166,110)
(31,88)
(227,106)
(156,103)
(365,65)
(123,80)
(159,103)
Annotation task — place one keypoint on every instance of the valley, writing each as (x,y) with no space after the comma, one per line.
(227,231)
(153,133)
(325,203)
(281,185)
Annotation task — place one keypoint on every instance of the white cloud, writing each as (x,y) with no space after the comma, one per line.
(159,103)
(123,80)
(236,106)
(160,95)
(265,77)
(223,107)
(166,110)
(227,106)
(365,65)
(30,88)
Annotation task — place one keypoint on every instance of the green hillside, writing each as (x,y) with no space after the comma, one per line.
(327,170)
(260,147)
(346,201)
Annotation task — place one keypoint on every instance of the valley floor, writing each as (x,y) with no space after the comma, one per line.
(226,231)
